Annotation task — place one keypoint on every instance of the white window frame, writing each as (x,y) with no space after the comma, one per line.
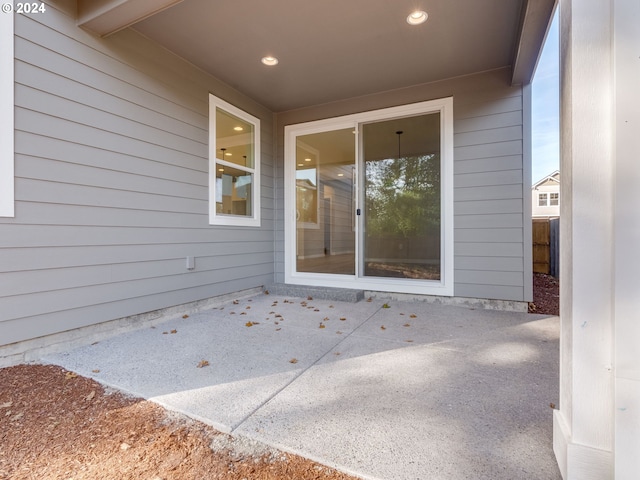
(543,199)
(252,220)
(443,287)
(7,193)
(557,204)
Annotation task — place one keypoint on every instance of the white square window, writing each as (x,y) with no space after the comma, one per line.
(234,165)
(553,199)
(542,200)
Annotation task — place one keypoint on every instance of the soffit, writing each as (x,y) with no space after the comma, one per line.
(331,50)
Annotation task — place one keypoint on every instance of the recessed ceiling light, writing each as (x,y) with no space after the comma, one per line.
(238,129)
(270,61)
(307,159)
(341,174)
(417,17)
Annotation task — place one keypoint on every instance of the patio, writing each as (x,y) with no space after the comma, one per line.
(379,388)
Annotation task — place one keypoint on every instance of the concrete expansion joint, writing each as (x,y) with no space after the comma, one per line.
(233,430)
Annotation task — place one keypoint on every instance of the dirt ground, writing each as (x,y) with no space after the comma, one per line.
(56,425)
(546,295)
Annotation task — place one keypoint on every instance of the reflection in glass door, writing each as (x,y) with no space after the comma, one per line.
(325,198)
(401,198)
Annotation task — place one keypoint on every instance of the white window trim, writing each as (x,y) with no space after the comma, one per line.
(443,287)
(7,193)
(546,199)
(233,220)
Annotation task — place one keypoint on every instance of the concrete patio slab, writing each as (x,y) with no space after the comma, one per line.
(415,390)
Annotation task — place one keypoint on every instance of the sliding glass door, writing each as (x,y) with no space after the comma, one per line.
(325,196)
(369,200)
(401,198)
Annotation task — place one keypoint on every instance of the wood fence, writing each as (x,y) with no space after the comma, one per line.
(546,251)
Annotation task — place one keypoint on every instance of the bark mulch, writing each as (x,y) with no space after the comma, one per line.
(56,425)
(546,295)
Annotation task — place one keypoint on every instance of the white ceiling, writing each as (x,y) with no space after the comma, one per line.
(336,49)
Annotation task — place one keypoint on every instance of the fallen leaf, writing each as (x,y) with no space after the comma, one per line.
(6,405)
(16,417)
(330,306)
(409,341)
(382,327)
(95,343)
(278,315)
(165,333)
(316,310)
(552,405)
(243,313)
(185,316)
(293,360)
(97,370)
(232,313)
(322,325)
(89,397)
(326,318)
(413,315)
(266,292)
(276,323)
(386,305)
(174,331)
(370,299)
(249,324)
(278,329)
(70,375)
(248,307)
(406,325)
(343,318)
(401,313)
(339,332)
(309,298)
(236,302)
(203,363)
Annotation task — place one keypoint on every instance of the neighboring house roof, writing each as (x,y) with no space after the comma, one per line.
(330,50)
(551,179)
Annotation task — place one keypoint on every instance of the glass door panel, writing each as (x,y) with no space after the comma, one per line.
(401,198)
(325,200)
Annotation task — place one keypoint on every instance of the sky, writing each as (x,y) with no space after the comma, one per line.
(545,108)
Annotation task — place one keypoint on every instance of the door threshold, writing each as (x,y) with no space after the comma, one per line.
(325,293)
